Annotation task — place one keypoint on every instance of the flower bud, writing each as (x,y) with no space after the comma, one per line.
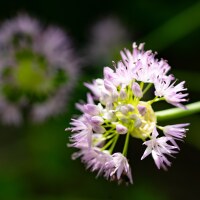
(122,94)
(137,120)
(137,90)
(121,129)
(109,115)
(130,108)
(108,73)
(91,109)
(142,109)
(97,120)
(99,129)
(109,86)
(124,110)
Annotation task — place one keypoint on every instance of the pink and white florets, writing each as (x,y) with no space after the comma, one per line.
(116,108)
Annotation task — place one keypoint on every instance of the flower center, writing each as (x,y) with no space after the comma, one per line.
(31,77)
(132,116)
(139,120)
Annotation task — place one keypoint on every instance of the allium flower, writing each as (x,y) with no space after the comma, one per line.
(116,107)
(118,167)
(175,132)
(37,69)
(158,147)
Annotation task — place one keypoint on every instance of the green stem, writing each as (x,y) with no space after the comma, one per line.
(141,85)
(156,99)
(113,144)
(174,113)
(126,144)
(107,145)
(147,88)
(109,132)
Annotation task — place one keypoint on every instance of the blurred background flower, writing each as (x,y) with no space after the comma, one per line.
(106,37)
(35,163)
(38,70)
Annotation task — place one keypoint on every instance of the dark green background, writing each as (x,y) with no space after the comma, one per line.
(34,160)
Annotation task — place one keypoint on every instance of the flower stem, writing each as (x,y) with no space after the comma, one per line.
(147,88)
(114,143)
(174,113)
(107,144)
(126,144)
(156,99)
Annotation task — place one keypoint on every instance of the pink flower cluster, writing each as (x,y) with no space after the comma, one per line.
(115,107)
(25,45)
